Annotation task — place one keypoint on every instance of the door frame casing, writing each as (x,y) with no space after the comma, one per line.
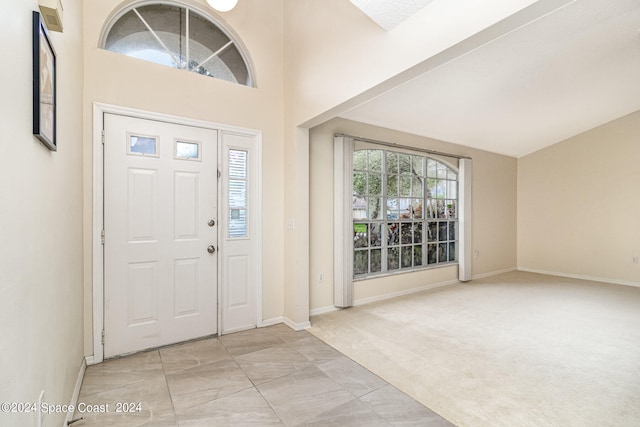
(99,110)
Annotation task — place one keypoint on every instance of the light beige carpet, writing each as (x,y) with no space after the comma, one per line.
(518,349)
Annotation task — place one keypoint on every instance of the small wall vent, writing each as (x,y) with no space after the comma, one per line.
(51,11)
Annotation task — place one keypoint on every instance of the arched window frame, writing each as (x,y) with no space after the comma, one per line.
(409,218)
(343,223)
(233,37)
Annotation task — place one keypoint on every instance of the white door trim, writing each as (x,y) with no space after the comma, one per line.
(99,110)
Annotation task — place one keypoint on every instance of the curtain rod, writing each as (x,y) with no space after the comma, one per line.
(406,147)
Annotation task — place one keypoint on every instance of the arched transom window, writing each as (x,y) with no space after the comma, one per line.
(180,37)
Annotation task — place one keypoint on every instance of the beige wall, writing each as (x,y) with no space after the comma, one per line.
(119,80)
(333,53)
(40,222)
(494,213)
(578,204)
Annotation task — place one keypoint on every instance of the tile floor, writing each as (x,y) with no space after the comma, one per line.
(264,377)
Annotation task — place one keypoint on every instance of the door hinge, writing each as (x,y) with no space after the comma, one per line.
(102,236)
(103,337)
(102,136)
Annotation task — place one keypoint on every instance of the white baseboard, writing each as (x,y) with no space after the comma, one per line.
(271,322)
(369,300)
(297,326)
(323,310)
(581,277)
(76,391)
(493,273)
(330,308)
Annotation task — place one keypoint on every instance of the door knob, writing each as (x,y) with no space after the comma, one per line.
(211,223)
(211,249)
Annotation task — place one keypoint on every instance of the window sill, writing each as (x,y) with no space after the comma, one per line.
(403,271)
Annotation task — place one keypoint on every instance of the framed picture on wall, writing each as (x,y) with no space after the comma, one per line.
(44,85)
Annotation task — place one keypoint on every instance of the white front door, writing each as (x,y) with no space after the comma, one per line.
(160,226)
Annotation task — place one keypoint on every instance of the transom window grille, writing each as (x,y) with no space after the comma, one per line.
(179,37)
(404,212)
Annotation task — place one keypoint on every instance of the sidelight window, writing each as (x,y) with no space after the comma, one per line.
(238,197)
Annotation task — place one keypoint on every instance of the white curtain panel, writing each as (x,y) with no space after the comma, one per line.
(464,211)
(343,225)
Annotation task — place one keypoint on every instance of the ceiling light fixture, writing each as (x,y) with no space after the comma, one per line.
(222,5)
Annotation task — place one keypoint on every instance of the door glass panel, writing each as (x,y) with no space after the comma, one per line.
(145,145)
(237,194)
(187,150)
(237,164)
(237,223)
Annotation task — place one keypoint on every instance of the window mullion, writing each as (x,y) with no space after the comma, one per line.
(155,36)
(214,54)
(187,36)
(383,225)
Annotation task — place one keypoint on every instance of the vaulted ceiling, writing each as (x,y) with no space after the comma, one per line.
(556,76)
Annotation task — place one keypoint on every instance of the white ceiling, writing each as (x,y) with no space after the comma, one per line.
(557,76)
